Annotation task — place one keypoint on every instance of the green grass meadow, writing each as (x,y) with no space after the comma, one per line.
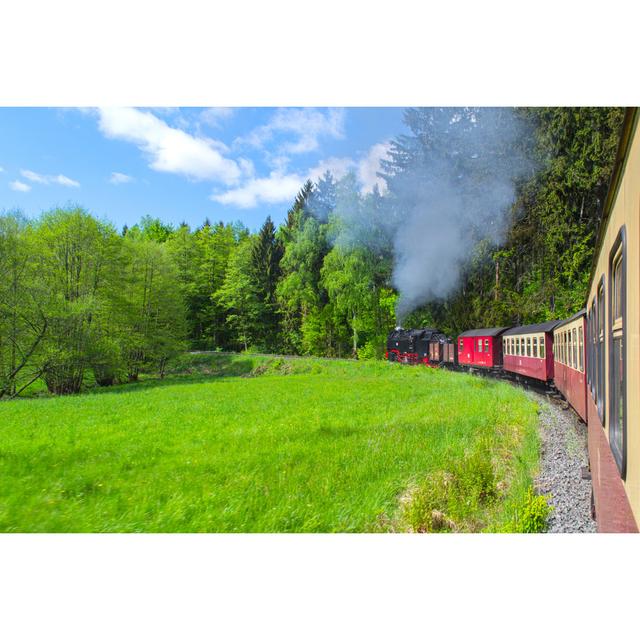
(260,444)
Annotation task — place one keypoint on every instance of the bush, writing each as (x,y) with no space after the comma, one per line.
(372,349)
(107,363)
(531,515)
(451,500)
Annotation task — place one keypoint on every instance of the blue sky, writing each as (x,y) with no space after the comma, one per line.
(184,164)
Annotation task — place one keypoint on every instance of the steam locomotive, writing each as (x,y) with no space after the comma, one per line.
(592,358)
(417,346)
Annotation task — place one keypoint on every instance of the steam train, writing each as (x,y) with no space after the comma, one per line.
(591,358)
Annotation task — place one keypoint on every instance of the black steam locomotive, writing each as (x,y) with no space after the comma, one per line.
(419,346)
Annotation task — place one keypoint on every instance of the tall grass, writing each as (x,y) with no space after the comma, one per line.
(265,444)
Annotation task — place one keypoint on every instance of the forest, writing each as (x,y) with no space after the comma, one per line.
(83,303)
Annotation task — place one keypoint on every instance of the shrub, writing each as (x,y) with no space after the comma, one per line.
(531,515)
(452,500)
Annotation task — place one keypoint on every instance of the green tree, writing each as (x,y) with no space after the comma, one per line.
(23,320)
(266,254)
(238,295)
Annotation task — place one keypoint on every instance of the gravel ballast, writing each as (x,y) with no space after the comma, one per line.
(563,456)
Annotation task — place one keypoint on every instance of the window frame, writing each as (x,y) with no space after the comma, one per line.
(617,254)
(592,357)
(600,349)
(581,346)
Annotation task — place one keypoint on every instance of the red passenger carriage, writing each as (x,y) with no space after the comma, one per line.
(481,347)
(528,350)
(570,361)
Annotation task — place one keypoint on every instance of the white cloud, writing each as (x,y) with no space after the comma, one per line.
(214,116)
(60,179)
(338,167)
(306,126)
(276,188)
(16,185)
(33,176)
(64,181)
(120,178)
(281,187)
(370,164)
(169,149)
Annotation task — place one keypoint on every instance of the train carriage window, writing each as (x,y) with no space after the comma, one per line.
(486,345)
(542,339)
(569,349)
(600,350)
(580,349)
(479,345)
(461,345)
(560,339)
(574,340)
(535,346)
(528,347)
(591,362)
(616,345)
(519,346)
(570,342)
(586,345)
(572,349)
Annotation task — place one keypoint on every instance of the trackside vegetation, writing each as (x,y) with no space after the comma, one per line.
(266,444)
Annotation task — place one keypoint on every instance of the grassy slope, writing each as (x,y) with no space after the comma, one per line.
(232,444)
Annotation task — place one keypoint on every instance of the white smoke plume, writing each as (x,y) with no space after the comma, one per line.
(449,185)
(455,186)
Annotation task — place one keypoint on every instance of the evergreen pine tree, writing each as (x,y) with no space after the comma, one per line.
(266,254)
